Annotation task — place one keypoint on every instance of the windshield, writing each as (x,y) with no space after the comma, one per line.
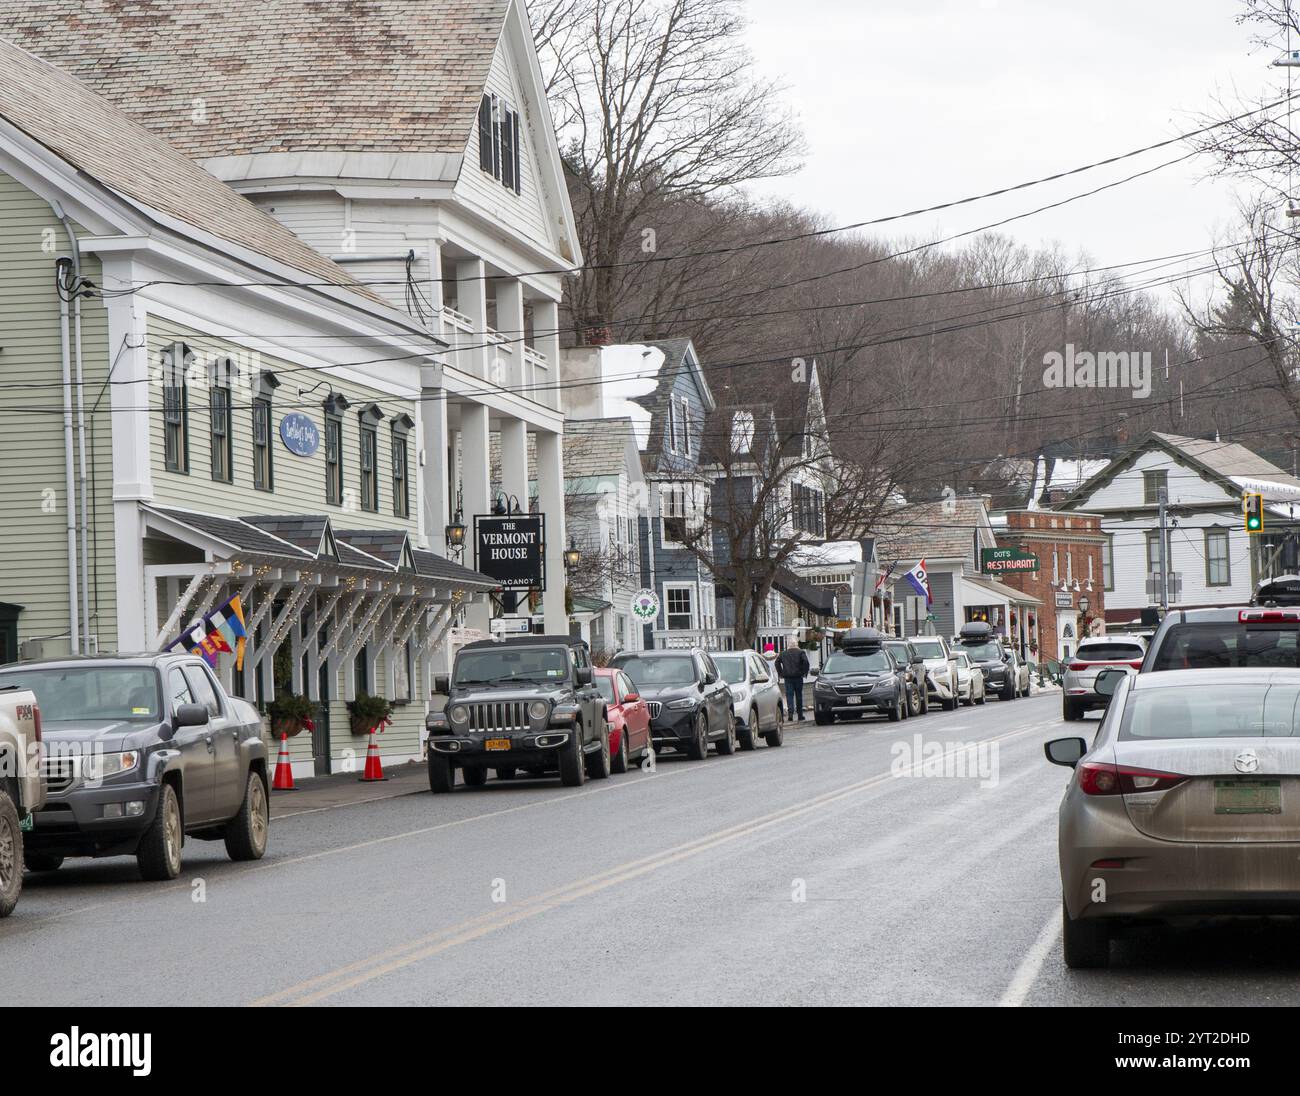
(90,693)
(1211,711)
(983,652)
(650,672)
(488,667)
(928,648)
(1208,645)
(731,669)
(848,662)
(899,651)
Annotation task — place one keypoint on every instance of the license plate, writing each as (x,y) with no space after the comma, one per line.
(853,700)
(1248,797)
(497,744)
(27,823)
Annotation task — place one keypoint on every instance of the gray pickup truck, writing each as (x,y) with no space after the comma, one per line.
(523,703)
(21,788)
(139,753)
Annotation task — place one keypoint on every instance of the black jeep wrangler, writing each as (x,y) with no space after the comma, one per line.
(523,702)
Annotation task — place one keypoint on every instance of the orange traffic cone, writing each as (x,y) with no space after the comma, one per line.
(374,770)
(283,781)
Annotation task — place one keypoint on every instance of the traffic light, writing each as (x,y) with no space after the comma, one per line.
(1253,505)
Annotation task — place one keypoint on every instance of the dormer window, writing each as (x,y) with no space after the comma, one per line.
(499,142)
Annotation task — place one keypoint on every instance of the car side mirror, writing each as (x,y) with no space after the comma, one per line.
(710,677)
(1108,680)
(919,660)
(442,684)
(583,675)
(190,715)
(631,698)
(1065,751)
(952,658)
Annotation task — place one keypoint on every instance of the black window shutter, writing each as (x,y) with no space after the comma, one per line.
(517,138)
(507,147)
(485,134)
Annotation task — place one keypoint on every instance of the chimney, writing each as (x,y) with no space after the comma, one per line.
(598,334)
(1122,431)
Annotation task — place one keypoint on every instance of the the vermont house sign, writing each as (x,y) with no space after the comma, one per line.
(511,550)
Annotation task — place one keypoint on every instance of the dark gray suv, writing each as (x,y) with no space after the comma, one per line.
(527,702)
(690,703)
(141,752)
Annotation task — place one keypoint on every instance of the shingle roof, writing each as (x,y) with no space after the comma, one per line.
(383,544)
(237,532)
(86,130)
(596,447)
(1231,460)
(432,565)
(301,530)
(278,75)
(929,530)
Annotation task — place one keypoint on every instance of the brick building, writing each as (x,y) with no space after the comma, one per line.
(1070,581)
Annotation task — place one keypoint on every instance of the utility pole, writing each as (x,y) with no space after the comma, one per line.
(1162,497)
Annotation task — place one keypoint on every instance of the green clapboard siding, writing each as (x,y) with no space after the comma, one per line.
(33,516)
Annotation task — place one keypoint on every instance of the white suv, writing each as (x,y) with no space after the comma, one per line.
(1079,683)
(940,671)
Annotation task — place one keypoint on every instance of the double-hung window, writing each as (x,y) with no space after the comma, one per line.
(500,142)
(176,408)
(1218,567)
(263,471)
(222,443)
(677,608)
(370,416)
(335,404)
(401,466)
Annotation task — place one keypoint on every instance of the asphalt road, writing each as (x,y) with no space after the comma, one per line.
(840,869)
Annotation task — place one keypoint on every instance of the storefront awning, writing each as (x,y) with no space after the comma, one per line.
(978,591)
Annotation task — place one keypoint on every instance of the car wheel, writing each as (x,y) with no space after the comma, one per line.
(619,764)
(699,747)
(914,701)
(1071,711)
(925,700)
(775,736)
(442,777)
(35,861)
(896,712)
(11,855)
(598,761)
(159,854)
(506,772)
(728,744)
(475,776)
(1086,943)
(982,698)
(573,773)
(750,735)
(248,831)
(821,718)
(1009,693)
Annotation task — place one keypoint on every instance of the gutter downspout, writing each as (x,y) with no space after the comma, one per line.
(83,478)
(69,485)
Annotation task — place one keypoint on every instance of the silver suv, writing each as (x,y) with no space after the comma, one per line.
(1079,683)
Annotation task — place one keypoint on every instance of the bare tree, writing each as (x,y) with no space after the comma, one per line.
(657,101)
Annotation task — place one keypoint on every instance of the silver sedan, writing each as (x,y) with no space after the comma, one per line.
(1186,803)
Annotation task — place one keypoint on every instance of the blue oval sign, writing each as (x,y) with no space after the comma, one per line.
(299,434)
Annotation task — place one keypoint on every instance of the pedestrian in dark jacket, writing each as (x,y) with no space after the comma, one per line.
(792,664)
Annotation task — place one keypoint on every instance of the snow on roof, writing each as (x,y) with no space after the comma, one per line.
(630,371)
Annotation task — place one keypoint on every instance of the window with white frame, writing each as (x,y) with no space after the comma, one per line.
(678,607)
(1108,562)
(673,510)
(1218,568)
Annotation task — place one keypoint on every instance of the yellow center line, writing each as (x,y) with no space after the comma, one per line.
(313,990)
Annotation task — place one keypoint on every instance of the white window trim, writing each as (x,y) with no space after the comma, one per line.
(689,589)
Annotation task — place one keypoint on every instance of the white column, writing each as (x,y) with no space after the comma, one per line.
(546,338)
(514,460)
(550,498)
(471,301)
(434,480)
(132,479)
(476,476)
(510,322)
(434,252)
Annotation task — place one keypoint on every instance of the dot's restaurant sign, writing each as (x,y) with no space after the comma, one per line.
(996,561)
(511,550)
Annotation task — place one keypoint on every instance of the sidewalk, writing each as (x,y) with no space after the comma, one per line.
(322,793)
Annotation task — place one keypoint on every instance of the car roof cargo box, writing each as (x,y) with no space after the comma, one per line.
(1282,590)
(862,637)
(531,641)
(977,631)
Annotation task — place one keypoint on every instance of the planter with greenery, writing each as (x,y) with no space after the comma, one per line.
(291,714)
(369,712)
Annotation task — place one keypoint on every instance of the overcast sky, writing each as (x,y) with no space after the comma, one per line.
(909,104)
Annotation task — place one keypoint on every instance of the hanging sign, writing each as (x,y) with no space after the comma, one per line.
(299,434)
(510,549)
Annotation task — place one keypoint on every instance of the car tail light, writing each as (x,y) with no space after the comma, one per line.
(1108,863)
(1096,778)
(1077,666)
(36,721)
(1269,616)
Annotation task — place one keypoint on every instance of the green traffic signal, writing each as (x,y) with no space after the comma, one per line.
(1254,508)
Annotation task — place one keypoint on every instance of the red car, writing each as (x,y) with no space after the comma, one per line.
(629,718)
